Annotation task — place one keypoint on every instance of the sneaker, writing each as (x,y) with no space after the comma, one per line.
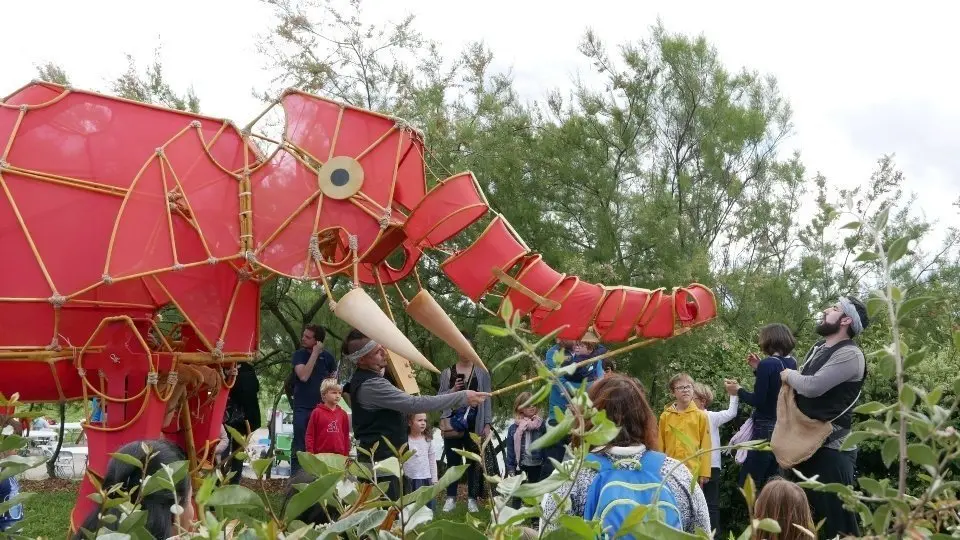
(449,505)
(472,506)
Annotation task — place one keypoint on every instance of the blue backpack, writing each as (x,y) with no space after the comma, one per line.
(622,485)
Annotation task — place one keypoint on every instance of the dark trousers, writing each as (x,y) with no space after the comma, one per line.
(413,484)
(534,474)
(761,466)
(454,459)
(556,452)
(711,491)
(832,467)
(301,417)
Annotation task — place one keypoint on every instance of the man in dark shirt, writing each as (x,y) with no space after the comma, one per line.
(379,408)
(311,365)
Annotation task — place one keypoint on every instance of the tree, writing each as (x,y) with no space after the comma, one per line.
(151,87)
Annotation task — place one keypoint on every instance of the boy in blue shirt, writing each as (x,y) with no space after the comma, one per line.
(10,488)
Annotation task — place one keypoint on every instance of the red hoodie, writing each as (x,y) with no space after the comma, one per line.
(328,431)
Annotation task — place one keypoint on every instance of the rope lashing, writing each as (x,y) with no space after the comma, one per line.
(81,372)
(153,378)
(195,123)
(107,279)
(177,267)
(314,248)
(353,242)
(212,260)
(172,378)
(386,218)
(250,256)
(114,358)
(218,350)
(57,300)
(244,275)
(54,344)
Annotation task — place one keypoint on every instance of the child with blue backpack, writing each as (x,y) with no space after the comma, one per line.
(631,469)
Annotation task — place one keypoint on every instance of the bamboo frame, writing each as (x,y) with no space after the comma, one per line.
(96,187)
(183,193)
(26,233)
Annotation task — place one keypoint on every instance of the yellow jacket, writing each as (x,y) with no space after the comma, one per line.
(693,423)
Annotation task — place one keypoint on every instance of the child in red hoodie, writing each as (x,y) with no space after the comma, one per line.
(328,431)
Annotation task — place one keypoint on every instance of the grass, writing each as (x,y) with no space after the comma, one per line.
(47,512)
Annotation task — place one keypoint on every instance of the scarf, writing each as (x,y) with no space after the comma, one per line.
(523,425)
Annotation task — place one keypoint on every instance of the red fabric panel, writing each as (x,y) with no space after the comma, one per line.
(78,321)
(203,294)
(389,274)
(359,131)
(132,291)
(311,123)
(211,192)
(25,323)
(657,320)
(227,150)
(379,165)
(34,380)
(34,94)
(142,241)
(411,174)
(695,305)
(287,253)
(73,255)
(617,318)
(20,273)
(470,269)
(94,137)
(279,188)
(189,247)
(576,311)
(242,331)
(352,219)
(8,117)
(537,276)
(441,215)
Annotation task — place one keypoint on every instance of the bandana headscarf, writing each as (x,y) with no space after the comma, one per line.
(360,353)
(851,311)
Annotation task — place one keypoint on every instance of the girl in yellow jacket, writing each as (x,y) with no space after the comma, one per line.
(685,417)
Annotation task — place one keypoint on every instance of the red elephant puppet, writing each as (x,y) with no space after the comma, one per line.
(113,210)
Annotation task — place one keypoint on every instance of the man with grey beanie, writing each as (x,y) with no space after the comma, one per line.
(828,386)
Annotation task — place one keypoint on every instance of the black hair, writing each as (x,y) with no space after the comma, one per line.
(127,477)
(861,312)
(318,332)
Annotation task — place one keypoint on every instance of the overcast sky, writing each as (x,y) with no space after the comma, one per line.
(864,78)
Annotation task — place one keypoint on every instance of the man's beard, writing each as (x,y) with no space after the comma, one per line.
(826,329)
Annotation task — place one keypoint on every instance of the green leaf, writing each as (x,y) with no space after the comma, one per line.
(889,451)
(875,306)
(506,310)
(449,530)
(855,438)
(554,434)
(853,225)
(888,364)
(541,394)
(495,330)
(911,304)
(897,249)
(914,358)
(360,523)
(547,485)
(391,466)
(873,407)
(934,396)
(11,442)
(261,466)
(316,493)
(956,339)
(908,396)
(10,503)
(880,517)
(767,524)
(128,459)
(234,495)
(872,486)
(881,220)
(921,454)
(578,526)
(866,256)
(603,430)
(206,489)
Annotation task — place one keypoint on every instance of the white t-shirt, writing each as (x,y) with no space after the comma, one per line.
(423,464)
(717,419)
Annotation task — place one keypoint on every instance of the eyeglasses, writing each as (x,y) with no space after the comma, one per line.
(684,387)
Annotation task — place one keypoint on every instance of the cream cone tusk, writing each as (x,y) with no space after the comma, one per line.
(357,309)
(425,310)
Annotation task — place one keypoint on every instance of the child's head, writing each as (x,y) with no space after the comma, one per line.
(776,339)
(330,391)
(681,386)
(524,412)
(702,395)
(786,503)
(417,424)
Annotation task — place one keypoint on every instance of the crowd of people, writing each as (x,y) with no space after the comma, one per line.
(679,448)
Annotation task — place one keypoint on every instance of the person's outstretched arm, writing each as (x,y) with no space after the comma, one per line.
(377,393)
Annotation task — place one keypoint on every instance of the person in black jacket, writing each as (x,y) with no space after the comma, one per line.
(243,412)
(777,342)
(828,387)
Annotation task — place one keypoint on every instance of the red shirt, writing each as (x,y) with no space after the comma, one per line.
(328,431)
